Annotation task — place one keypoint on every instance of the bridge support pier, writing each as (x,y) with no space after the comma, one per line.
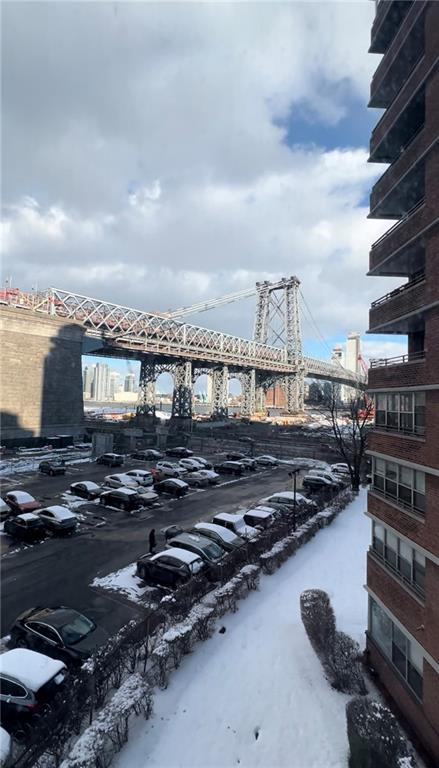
(220,393)
(146,402)
(294,387)
(182,395)
(248,383)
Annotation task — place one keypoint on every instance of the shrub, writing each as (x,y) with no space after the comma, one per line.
(343,666)
(318,619)
(375,738)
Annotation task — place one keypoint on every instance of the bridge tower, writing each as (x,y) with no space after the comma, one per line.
(277,323)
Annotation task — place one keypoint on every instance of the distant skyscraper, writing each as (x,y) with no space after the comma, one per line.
(129,382)
(101,382)
(209,389)
(87,380)
(114,384)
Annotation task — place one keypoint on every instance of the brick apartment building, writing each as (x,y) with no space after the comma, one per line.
(403,502)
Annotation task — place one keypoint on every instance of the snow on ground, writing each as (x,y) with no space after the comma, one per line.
(123,581)
(255,696)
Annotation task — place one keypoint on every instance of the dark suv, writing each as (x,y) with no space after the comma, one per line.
(27,527)
(111,459)
(171,568)
(180,453)
(52,467)
(60,632)
(229,468)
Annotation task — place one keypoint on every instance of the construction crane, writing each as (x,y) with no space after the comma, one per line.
(202,306)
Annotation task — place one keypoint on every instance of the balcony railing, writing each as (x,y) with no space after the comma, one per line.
(410,357)
(417,278)
(399,223)
(416,588)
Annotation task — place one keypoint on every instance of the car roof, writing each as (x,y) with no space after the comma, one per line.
(123,491)
(29,667)
(219,529)
(258,513)
(137,472)
(191,538)
(175,481)
(62,512)
(181,554)
(56,617)
(89,484)
(228,517)
(27,516)
(21,496)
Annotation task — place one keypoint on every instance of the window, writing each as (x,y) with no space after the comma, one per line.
(397,554)
(9,688)
(401,411)
(406,655)
(403,484)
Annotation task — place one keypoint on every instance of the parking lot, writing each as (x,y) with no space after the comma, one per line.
(59,571)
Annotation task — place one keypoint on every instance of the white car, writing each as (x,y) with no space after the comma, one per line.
(286,498)
(235,523)
(32,677)
(211,476)
(170,469)
(340,468)
(223,536)
(266,461)
(191,465)
(336,480)
(142,476)
(206,464)
(260,517)
(196,479)
(58,519)
(121,480)
(147,496)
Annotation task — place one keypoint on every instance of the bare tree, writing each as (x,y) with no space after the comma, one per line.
(350,423)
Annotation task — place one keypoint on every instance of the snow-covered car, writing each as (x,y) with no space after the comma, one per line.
(173,486)
(4,509)
(248,463)
(340,467)
(55,466)
(121,480)
(221,535)
(260,517)
(235,523)
(147,495)
(266,461)
(196,479)
(127,499)
(317,483)
(191,465)
(58,519)
(26,527)
(206,464)
(171,469)
(211,476)
(21,501)
(286,499)
(179,452)
(86,489)
(335,479)
(141,476)
(170,568)
(208,550)
(29,681)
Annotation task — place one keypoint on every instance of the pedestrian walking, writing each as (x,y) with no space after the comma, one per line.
(152,541)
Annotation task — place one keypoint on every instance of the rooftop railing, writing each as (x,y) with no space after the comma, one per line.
(410,357)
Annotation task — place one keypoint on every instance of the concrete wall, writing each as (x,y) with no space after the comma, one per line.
(40,375)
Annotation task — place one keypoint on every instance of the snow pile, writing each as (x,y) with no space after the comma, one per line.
(125,581)
(255,694)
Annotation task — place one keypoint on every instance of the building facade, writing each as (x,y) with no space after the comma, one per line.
(101,382)
(403,501)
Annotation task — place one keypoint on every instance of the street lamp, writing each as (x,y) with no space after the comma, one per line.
(293,474)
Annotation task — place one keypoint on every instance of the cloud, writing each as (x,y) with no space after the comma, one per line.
(145,159)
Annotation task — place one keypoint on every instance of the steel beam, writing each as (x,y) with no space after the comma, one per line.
(146,399)
(182,395)
(220,393)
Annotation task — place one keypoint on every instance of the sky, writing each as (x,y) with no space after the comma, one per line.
(160,154)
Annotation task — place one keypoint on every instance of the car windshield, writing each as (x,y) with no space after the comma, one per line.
(78,628)
(213,551)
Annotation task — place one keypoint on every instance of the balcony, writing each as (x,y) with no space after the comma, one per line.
(407,158)
(403,371)
(389,17)
(404,196)
(399,311)
(406,50)
(401,250)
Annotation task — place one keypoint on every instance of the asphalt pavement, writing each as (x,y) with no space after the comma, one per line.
(59,571)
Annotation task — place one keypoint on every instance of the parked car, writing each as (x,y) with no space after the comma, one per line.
(208,550)
(5,510)
(229,468)
(58,519)
(21,501)
(317,483)
(228,540)
(141,476)
(59,631)
(172,485)
(86,489)
(170,531)
(52,467)
(147,495)
(179,452)
(170,568)
(206,464)
(235,456)
(196,479)
(29,681)
(266,461)
(26,527)
(121,480)
(334,479)
(171,469)
(260,517)
(211,476)
(126,499)
(235,523)
(111,459)
(286,499)
(191,465)
(340,467)
(148,454)
(248,463)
